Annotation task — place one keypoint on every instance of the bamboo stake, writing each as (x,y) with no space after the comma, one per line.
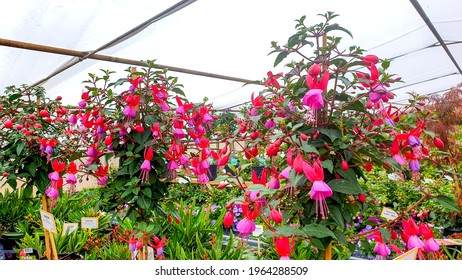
(328,252)
(50,246)
(47,236)
(83,55)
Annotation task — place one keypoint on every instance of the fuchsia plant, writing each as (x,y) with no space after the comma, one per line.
(326,119)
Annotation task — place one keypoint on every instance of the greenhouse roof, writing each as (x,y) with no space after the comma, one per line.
(227,38)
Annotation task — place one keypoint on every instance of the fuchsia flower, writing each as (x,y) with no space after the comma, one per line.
(410,234)
(155,130)
(158,245)
(284,247)
(146,165)
(56,180)
(380,248)
(70,178)
(430,244)
(257,102)
(130,110)
(182,107)
(313,98)
(101,174)
(319,189)
(251,210)
(272,80)
(160,96)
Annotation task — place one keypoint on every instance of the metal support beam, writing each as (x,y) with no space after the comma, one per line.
(430,25)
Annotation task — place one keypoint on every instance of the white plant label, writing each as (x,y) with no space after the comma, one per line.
(258,230)
(48,221)
(388,214)
(89,222)
(68,228)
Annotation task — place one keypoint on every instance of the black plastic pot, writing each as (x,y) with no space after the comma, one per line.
(212,172)
(449,231)
(258,170)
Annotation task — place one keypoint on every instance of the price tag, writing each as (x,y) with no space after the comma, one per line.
(258,230)
(388,214)
(89,222)
(48,221)
(28,250)
(68,228)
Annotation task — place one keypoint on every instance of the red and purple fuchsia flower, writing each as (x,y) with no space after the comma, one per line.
(319,189)
(146,165)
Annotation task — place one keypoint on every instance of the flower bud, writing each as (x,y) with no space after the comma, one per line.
(438,143)
(361,198)
(276,216)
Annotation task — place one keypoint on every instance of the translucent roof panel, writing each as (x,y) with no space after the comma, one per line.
(230,38)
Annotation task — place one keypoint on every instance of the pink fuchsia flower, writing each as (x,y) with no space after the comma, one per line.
(130,110)
(312,78)
(319,189)
(251,210)
(71,178)
(396,153)
(410,234)
(430,244)
(272,80)
(284,246)
(270,124)
(146,165)
(101,174)
(257,102)
(274,182)
(182,107)
(134,84)
(313,99)
(52,192)
(380,248)
(158,245)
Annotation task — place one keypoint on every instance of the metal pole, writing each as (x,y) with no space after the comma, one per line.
(430,25)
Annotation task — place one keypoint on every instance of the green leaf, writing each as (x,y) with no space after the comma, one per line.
(288,231)
(350,175)
(280,58)
(141,138)
(386,235)
(447,202)
(317,231)
(296,179)
(309,148)
(144,203)
(344,186)
(13,97)
(335,26)
(340,237)
(32,168)
(336,215)
(328,164)
(147,192)
(20,147)
(264,190)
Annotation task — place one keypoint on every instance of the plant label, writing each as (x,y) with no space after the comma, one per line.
(388,214)
(409,255)
(48,221)
(68,228)
(89,222)
(258,230)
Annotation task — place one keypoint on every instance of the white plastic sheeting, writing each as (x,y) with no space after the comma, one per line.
(223,37)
